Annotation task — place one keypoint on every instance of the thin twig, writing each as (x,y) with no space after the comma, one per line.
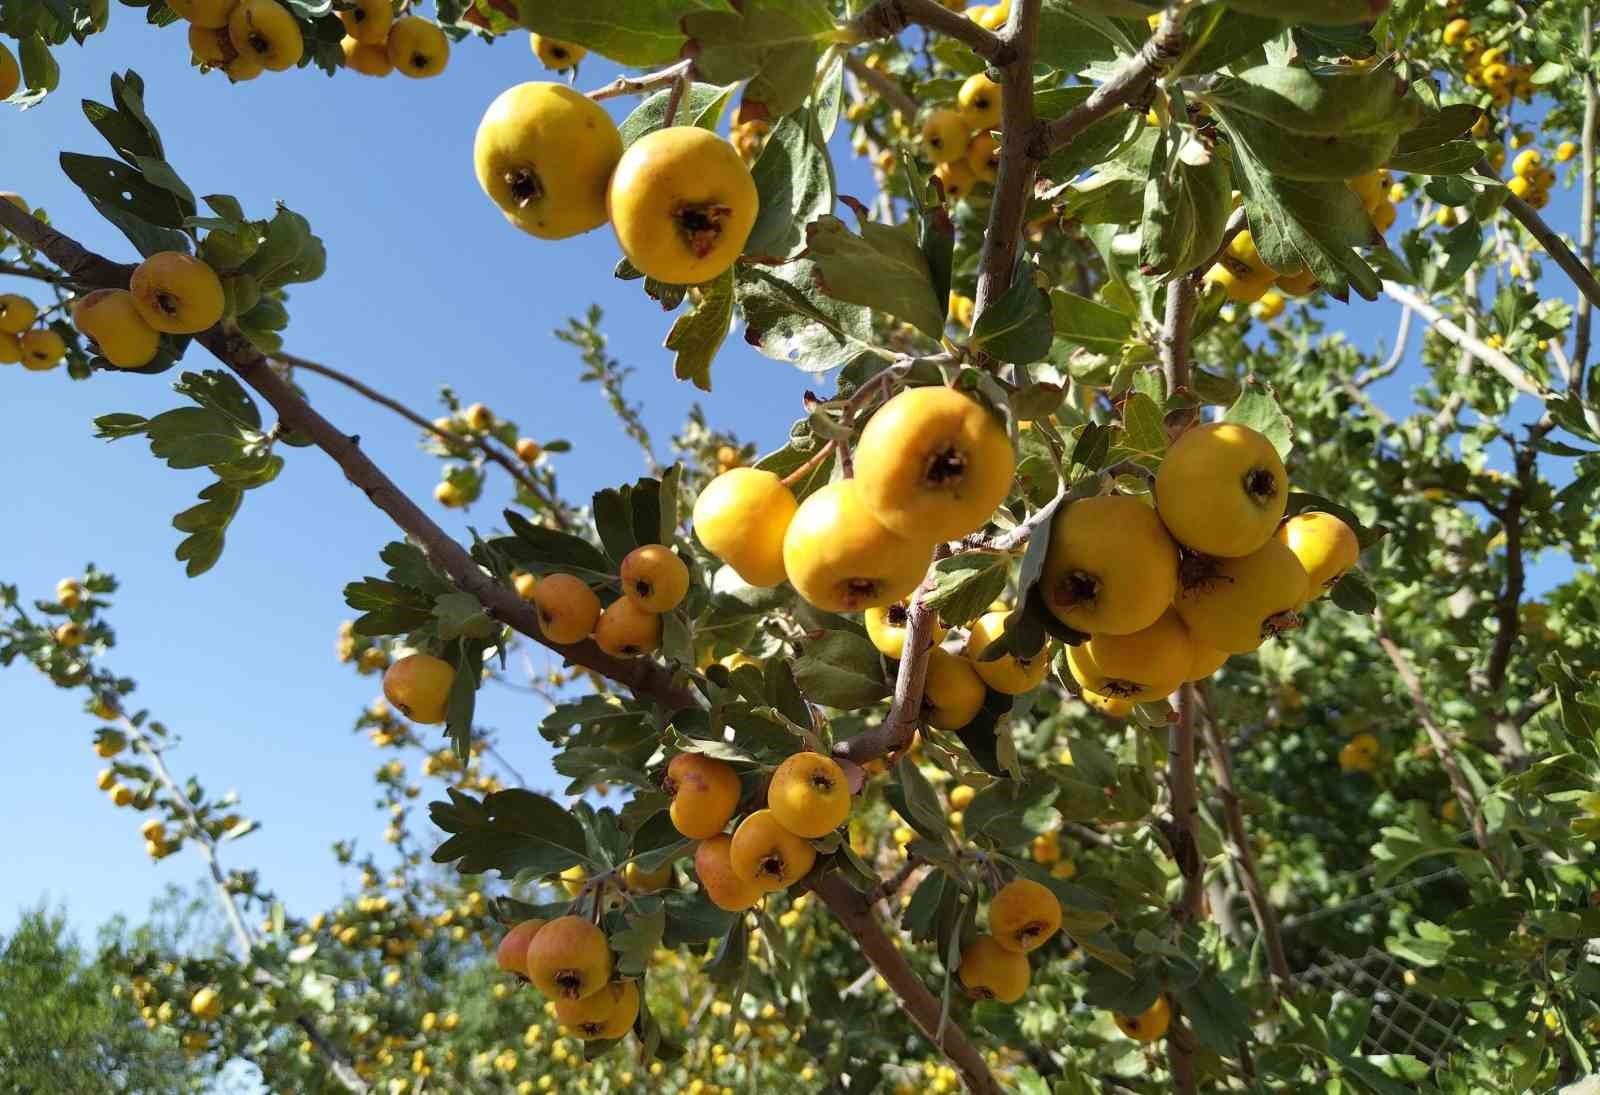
(887,18)
(14,271)
(639,85)
(885,85)
(1553,244)
(1466,341)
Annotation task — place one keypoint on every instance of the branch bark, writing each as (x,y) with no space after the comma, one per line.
(887,18)
(1591,107)
(920,1005)
(1557,248)
(650,81)
(1469,343)
(1013,185)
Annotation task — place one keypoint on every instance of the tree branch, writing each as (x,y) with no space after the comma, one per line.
(1468,343)
(12,270)
(887,18)
(920,1005)
(1591,107)
(650,81)
(1013,184)
(885,85)
(1553,244)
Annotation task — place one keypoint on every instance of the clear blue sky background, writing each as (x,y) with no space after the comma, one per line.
(426,284)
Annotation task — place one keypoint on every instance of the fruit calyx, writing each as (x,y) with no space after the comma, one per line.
(569,982)
(1075,587)
(772,865)
(1260,484)
(526,186)
(945,466)
(1199,572)
(168,303)
(701,226)
(1278,623)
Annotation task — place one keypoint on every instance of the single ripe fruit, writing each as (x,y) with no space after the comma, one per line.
(763,852)
(450,494)
(175,293)
(841,559)
(544,154)
(886,627)
(809,795)
(956,178)
(70,635)
(573,879)
(1007,673)
(1222,489)
(365,58)
(1240,603)
(1325,546)
(1023,915)
(654,578)
(944,136)
(105,779)
(17,313)
(953,692)
(41,349)
(110,317)
(206,14)
(1109,706)
(989,971)
(368,22)
(1111,568)
(555,55)
(1149,1025)
(418,48)
(206,1004)
(932,464)
(568,608)
(1203,660)
(639,880)
(512,954)
(419,687)
(704,792)
(121,794)
(528,450)
(211,45)
(713,865)
(109,744)
(1360,754)
(983,156)
(979,100)
(569,959)
(1140,667)
(10,73)
(625,630)
(608,1013)
(265,32)
(682,204)
(742,517)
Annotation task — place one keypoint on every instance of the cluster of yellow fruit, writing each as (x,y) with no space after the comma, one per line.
(376,43)
(37,348)
(956,684)
(1490,69)
(1023,915)
(170,293)
(1244,276)
(654,582)
(960,141)
(569,960)
(1167,594)
(987,16)
(681,200)
(1360,753)
(1531,180)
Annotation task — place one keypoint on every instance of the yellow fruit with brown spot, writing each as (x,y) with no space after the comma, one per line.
(569,959)
(368,21)
(1149,1025)
(1112,567)
(944,136)
(627,631)
(512,953)
(41,349)
(568,608)
(766,854)
(1222,489)
(886,627)
(264,31)
(979,103)
(1325,546)
(365,58)
(1009,674)
(956,179)
(110,317)
(556,55)
(1023,915)
(206,14)
(639,880)
(809,795)
(607,1014)
(419,687)
(841,558)
(544,155)
(17,313)
(654,578)
(417,48)
(211,45)
(953,693)
(983,156)
(742,517)
(704,792)
(713,866)
(1138,668)
(177,294)
(989,971)
(1237,604)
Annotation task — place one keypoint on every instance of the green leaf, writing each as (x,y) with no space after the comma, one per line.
(541,550)
(1143,432)
(613,520)
(701,105)
(774,44)
(1353,593)
(387,608)
(794,179)
(882,269)
(510,832)
(461,615)
(113,183)
(462,701)
(965,585)
(207,525)
(1451,158)
(841,669)
(639,33)
(1080,321)
(1308,225)
(698,334)
(1218,1017)
(636,944)
(920,801)
(1017,328)
(1257,407)
(788,317)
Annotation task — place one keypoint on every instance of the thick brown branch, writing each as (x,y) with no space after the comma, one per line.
(920,1005)
(1185,808)
(887,18)
(1591,108)
(1558,250)
(1508,610)
(1013,184)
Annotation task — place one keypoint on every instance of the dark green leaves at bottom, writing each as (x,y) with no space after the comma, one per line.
(698,334)
(841,669)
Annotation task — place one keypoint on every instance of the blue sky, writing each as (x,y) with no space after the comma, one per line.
(426,284)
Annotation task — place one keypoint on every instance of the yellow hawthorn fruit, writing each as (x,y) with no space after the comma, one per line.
(1383,216)
(886,627)
(206,14)
(713,866)
(1240,287)
(364,57)
(206,1004)
(1008,673)
(110,317)
(1325,546)
(932,464)
(17,313)
(682,204)
(525,584)
(1360,754)
(742,517)
(1268,306)
(419,687)
(110,744)
(418,48)
(568,608)
(105,779)
(1237,604)
(983,157)
(70,594)
(528,450)
(573,878)
(1455,30)
(979,103)
(1149,1025)
(639,880)
(766,854)
(944,136)
(10,73)
(1221,489)
(121,794)
(809,795)
(841,558)
(1521,186)
(1138,668)
(1544,178)
(989,971)
(654,578)
(1564,151)
(555,55)
(608,1013)
(368,22)
(512,953)
(264,31)
(42,349)
(211,45)
(1445,217)
(625,630)
(961,796)
(1243,248)
(1023,915)
(1369,188)
(10,348)
(569,959)
(956,179)
(1203,660)
(953,691)
(176,293)
(1112,567)
(1302,284)
(243,69)
(704,792)
(544,154)
(450,495)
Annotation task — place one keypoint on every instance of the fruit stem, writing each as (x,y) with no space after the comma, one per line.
(805,469)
